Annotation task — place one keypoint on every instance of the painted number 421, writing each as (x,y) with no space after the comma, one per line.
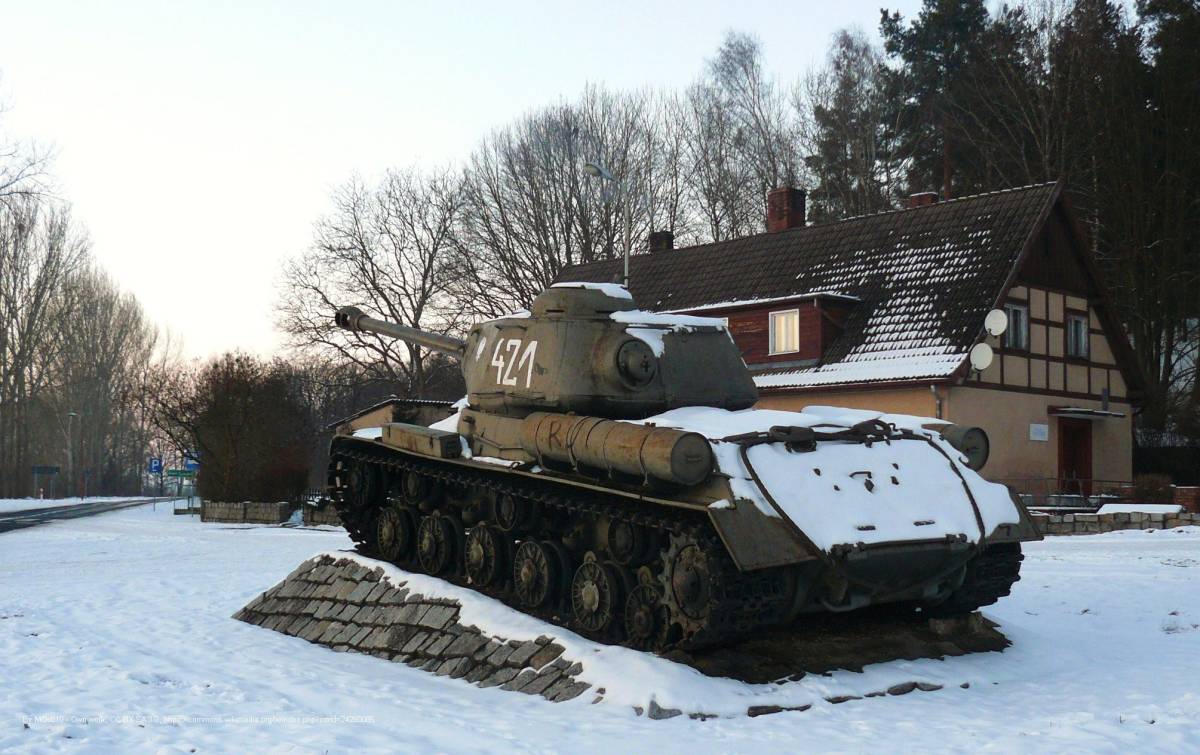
(508,365)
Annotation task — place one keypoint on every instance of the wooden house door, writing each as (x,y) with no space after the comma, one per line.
(1075,455)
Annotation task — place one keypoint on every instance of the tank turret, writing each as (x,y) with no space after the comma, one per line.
(586,349)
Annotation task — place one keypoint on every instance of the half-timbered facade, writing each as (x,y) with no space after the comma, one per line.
(881,312)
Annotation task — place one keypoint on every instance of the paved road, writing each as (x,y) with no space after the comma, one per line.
(15,520)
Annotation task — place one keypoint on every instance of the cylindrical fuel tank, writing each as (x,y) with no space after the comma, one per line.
(660,453)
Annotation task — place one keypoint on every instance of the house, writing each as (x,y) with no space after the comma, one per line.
(882,312)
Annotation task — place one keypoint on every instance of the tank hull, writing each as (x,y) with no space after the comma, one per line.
(615,561)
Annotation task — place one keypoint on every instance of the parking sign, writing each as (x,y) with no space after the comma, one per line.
(156,465)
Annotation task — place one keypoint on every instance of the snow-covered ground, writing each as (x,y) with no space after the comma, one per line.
(29,504)
(115,636)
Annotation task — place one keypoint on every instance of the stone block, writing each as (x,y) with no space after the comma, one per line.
(542,682)
(361,635)
(499,677)
(378,591)
(450,665)
(438,617)
(360,593)
(480,672)
(657,712)
(415,642)
(486,649)
(438,646)
(520,656)
(544,655)
(466,644)
(333,629)
(501,654)
(520,680)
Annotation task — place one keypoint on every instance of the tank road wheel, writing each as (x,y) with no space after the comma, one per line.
(537,572)
(512,514)
(645,617)
(394,533)
(596,596)
(627,542)
(486,556)
(435,543)
(419,491)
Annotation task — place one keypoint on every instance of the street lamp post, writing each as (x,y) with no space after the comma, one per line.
(597,171)
(71,452)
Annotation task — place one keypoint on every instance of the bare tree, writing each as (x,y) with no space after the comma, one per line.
(386,248)
(530,209)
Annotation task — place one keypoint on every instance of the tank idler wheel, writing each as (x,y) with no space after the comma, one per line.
(395,533)
(486,555)
(596,596)
(435,543)
(362,484)
(537,573)
(627,542)
(512,514)
(645,617)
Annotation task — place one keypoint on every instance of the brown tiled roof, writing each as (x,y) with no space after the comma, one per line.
(925,277)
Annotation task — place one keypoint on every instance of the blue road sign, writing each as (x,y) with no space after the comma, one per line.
(190,464)
(155,465)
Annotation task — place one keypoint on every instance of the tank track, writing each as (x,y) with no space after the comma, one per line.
(988,578)
(722,607)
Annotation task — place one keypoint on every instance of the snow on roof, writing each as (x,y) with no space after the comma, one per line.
(615,290)
(902,366)
(771,300)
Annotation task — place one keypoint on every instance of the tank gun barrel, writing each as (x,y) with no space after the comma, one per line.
(353,319)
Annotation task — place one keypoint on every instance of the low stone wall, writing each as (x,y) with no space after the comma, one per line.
(318,515)
(1091,524)
(245,512)
(343,605)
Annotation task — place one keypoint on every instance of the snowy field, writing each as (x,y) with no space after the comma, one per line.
(8,505)
(115,636)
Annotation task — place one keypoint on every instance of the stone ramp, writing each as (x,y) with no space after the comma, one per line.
(352,604)
(339,603)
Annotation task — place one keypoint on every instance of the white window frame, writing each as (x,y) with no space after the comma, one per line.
(1010,342)
(1086,334)
(771,331)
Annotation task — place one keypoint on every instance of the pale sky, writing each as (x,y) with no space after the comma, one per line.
(199,141)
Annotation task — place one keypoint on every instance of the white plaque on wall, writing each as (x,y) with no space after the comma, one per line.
(1039,432)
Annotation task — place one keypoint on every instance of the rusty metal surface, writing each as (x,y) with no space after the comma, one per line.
(439,444)
(641,451)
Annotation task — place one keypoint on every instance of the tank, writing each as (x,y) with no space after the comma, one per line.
(607,472)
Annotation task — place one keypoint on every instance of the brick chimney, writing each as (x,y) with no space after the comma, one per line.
(785,208)
(661,241)
(922,199)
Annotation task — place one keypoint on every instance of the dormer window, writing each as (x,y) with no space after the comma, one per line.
(785,331)
(1016,336)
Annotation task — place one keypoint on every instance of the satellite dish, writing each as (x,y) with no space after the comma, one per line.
(981,356)
(996,322)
